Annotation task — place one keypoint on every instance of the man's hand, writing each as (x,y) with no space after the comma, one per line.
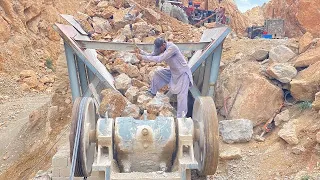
(139,56)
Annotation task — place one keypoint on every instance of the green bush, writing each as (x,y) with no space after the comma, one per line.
(305,177)
(49,64)
(305,105)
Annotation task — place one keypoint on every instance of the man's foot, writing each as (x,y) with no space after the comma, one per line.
(149,93)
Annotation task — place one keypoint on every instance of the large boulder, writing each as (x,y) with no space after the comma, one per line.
(131,70)
(143,100)
(101,25)
(305,85)
(122,82)
(127,57)
(305,42)
(282,72)
(316,102)
(257,99)
(260,55)
(113,102)
(284,116)
(235,131)
(289,134)
(158,103)
(281,54)
(308,58)
(299,16)
(142,29)
(131,110)
(138,83)
(120,38)
(132,94)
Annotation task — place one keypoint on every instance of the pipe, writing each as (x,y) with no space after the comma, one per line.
(206,4)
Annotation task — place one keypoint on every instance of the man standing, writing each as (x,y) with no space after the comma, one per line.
(178,76)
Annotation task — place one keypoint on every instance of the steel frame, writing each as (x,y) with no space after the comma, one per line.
(88,76)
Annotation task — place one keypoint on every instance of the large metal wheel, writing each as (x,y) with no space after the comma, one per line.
(83,110)
(206,139)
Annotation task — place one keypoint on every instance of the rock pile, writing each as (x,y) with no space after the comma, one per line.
(254,86)
(30,80)
(110,21)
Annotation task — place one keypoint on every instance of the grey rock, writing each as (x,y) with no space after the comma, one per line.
(235,131)
(289,134)
(260,55)
(101,25)
(132,94)
(282,72)
(128,57)
(143,100)
(122,82)
(298,149)
(120,38)
(131,110)
(158,103)
(281,54)
(284,116)
(166,113)
(230,153)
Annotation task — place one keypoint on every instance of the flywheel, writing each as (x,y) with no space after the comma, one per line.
(83,110)
(206,139)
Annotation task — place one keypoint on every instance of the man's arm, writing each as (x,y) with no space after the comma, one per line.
(162,57)
(142,52)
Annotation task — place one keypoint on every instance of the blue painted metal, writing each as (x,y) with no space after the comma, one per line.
(195,91)
(107,173)
(91,76)
(159,141)
(72,70)
(214,69)
(206,76)
(82,76)
(95,83)
(183,174)
(127,127)
(88,55)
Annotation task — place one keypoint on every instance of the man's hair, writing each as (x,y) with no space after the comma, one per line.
(159,42)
